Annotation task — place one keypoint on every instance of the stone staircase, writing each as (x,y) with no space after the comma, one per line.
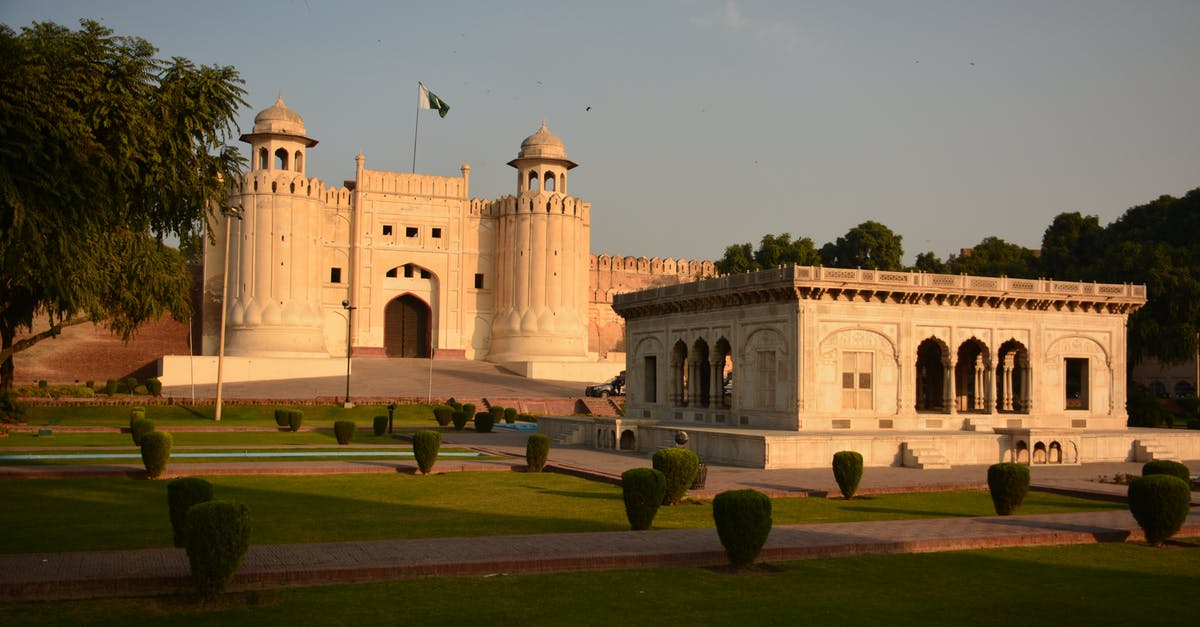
(1147,450)
(602,407)
(481,404)
(924,456)
(572,435)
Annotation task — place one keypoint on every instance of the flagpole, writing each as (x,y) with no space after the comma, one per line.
(416,126)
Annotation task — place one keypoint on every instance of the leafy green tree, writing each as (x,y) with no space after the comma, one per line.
(870,245)
(1069,247)
(995,257)
(738,258)
(931,263)
(784,251)
(105,150)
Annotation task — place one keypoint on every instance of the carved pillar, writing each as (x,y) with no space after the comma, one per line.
(1007,381)
(717,383)
(980,390)
(1026,383)
(950,385)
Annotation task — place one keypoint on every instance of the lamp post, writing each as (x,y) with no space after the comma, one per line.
(230,214)
(349,315)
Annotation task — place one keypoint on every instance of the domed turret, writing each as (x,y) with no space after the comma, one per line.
(279,118)
(279,140)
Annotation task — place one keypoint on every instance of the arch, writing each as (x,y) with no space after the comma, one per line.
(1184,388)
(281,159)
(298,161)
(532,179)
(549,182)
(1159,388)
(1013,378)
(933,380)
(406,327)
(679,368)
(891,346)
(628,440)
(1021,452)
(701,373)
(723,367)
(1039,453)
(971,375)
(264,159)
(1054,455)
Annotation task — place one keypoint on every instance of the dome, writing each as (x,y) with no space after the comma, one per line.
(278,118)
(542,144)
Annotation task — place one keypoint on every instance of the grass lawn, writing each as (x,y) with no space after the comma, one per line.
(201,455)
(1100,584)
(118,513)
(196,438)
(231,415)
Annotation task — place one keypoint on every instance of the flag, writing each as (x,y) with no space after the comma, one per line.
(429,100)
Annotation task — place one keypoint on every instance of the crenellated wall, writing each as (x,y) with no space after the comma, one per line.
(609,275)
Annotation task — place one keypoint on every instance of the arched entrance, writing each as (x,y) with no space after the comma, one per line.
(406,327)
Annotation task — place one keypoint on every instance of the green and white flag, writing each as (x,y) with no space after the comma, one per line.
(429,100)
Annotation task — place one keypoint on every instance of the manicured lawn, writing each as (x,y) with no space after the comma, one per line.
(197,438)
(1102,584)
(231,414)
(200,455)
(118,513)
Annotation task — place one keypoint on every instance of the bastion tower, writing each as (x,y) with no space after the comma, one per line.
(273,279)
(542,245)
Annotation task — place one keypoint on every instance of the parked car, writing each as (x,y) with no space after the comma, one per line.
(616,387)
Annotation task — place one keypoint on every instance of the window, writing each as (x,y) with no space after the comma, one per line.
(478,281)
(425,273)
(391,274)
(408,271)
(410,231)
(650,379)
(435,232)
(857,380)
(387,229)
(335,275)
(1077,383)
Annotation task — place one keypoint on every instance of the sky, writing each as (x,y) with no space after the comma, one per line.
(698,124)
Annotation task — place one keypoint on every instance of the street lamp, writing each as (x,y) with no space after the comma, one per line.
(230,214)
(349,315)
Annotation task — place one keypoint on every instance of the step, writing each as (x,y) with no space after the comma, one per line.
(924,457)
(1148,450)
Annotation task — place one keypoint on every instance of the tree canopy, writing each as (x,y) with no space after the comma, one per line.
(995,257)
(870,245)
(105,150)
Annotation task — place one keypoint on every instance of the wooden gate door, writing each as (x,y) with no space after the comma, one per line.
(406,327)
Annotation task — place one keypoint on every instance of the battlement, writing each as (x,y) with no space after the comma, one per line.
(687,268)
(408,184)
(549,202)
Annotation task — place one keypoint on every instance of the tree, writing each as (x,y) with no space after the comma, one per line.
(995,257)
(104,151)
(931,263)
(1069,247)
(870,245)
(772,252)
(738,258)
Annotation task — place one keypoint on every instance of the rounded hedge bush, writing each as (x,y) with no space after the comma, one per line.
(497,413)
(281,417)
(343,430)
(1166,467)
(379,424)
(459,418)
(680,466)
(848,471)
(1159,504)
(484,423)
(183,493)
(295,418)
(643,490)
(110,387)
(136,413)
(425,446)
(138,428)
(510,415)
(537,451)
(743,520)
(218,536)
(443,414)
(469,410)
(156,452)
(154,386)
(1008,483)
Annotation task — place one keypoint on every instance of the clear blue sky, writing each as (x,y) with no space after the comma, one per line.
(715,122)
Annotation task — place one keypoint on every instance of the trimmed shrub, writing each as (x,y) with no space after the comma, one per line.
(1008,483)
(743,520)
(154,386)
(497,413)
(510,415)
(1160,504)
(110,387)
(380,425)
(443,414)
(130,384)
(643,490)
(484,423)
(469,410)
(138,428)
(183,493)
(455,404)
(680,466)
(1166,467)
(425,449)
(847,471)
(218,536)
(281,417)
(459,419)
(42,383)
(90,384)
(343,430)
(156,452)
(136,413)
(537,451)
(295,418)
